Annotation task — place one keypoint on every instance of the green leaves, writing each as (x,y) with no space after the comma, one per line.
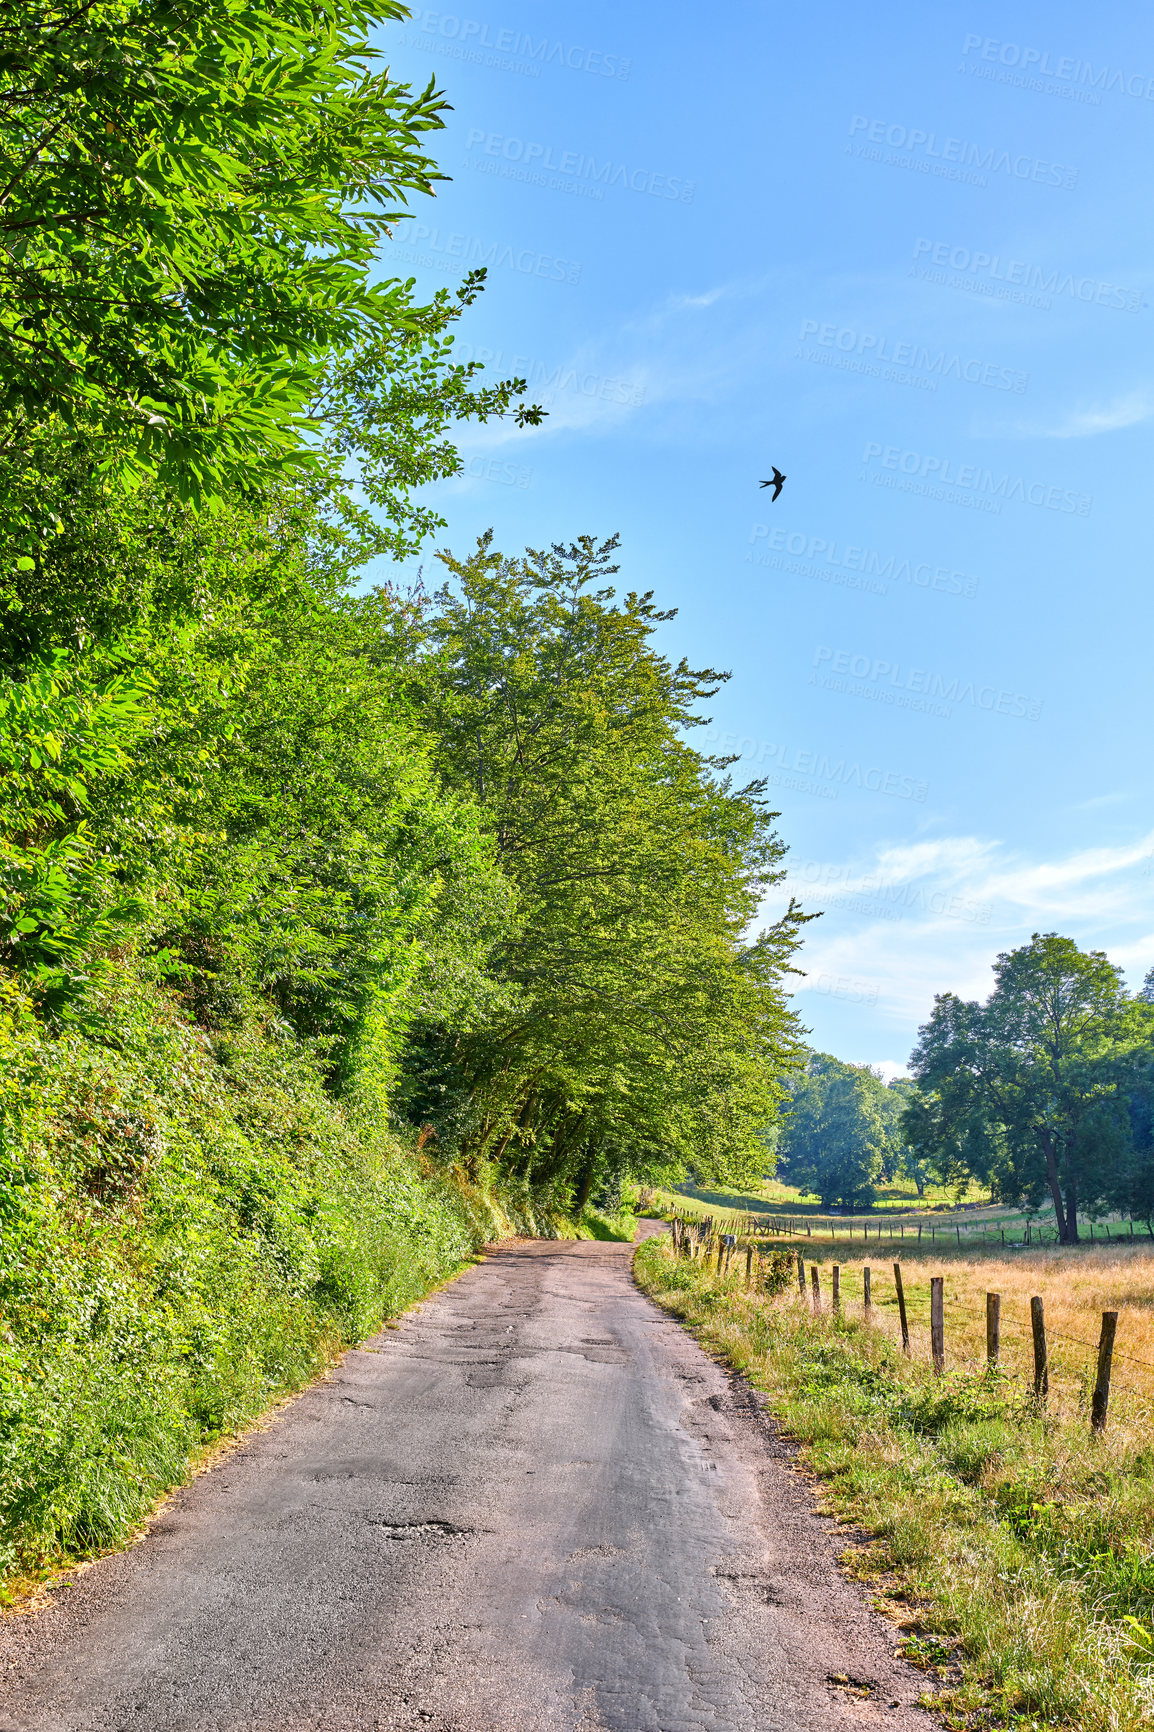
(642,1029)
(840,1133)
(1028,1091)
(190,202)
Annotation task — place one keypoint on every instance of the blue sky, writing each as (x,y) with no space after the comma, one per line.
(907,258)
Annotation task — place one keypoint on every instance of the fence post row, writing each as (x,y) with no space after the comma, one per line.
(686,1234)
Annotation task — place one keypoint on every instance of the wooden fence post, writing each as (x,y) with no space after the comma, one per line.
(993,1329)
(816,1287)
(866,1288)
(836,1279)
(902,1308)
(1041,1360)
(1102,1385)
(938,1323)
(801,1273)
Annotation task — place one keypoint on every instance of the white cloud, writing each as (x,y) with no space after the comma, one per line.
(915,919)
(1128,411)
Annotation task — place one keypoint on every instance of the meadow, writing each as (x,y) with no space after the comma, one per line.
(1012,1547)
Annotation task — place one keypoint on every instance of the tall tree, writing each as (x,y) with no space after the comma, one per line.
(1022,1091)
(840,1132)
(646,1025)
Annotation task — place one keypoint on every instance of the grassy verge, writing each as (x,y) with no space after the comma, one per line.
(1012,1547)
(191,1228)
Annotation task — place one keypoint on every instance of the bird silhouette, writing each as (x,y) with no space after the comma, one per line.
(777,483)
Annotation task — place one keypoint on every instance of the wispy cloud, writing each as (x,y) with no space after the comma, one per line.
(1128,411)
(915,919)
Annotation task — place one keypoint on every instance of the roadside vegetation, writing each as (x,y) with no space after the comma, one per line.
(313,895)
(1011,1547)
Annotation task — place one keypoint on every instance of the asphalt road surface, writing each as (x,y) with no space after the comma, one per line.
(535,1506)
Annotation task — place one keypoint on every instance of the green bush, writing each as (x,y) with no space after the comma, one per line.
(190,1228)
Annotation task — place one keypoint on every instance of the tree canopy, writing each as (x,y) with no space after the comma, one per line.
(1033,1092)
(841,1133)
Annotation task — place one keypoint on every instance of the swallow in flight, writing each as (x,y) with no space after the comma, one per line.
(777,484)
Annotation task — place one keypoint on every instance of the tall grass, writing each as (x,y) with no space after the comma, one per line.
(1014,1549)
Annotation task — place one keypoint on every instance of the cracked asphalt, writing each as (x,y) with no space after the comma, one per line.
(535,1506)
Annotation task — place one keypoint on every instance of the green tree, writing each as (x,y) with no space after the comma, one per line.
(645,1027)
(839,1133)
(192,197)
(1023,1092)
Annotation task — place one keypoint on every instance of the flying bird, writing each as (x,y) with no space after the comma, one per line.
(777,483)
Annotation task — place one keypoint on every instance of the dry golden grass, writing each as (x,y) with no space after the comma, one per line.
(1013,1547)
(1076,1284)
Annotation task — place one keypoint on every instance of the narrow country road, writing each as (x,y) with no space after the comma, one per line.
(536,1504)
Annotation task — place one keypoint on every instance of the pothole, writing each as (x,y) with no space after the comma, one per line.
(419,1530)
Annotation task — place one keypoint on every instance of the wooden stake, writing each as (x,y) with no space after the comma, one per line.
(801,1273)
(816,1287)
(1105,1357)
(749,1265)
(866,1287)
(938,1323)
(1041,1359)
(993,1329)
(902,1308)
(837,1286)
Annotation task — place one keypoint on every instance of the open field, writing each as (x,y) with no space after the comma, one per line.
(898,1194)
(1013,1547)
(911,1224)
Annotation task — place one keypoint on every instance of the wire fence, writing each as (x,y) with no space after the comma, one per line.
(961,1227)
(820,1287)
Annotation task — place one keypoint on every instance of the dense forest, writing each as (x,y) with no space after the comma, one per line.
(342,927)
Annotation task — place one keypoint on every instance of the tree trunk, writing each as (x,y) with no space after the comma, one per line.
(1071,1214)
(1047,1141)
(588,1174)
